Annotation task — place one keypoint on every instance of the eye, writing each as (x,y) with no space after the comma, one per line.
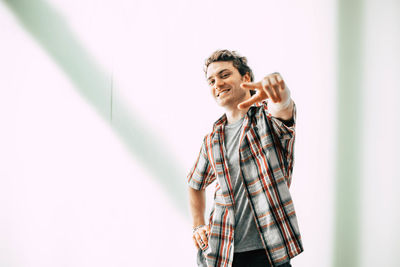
(210,82)
(225,75)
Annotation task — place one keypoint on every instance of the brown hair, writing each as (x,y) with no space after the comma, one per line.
(239,62)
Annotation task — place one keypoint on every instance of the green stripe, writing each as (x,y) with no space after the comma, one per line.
(347,217)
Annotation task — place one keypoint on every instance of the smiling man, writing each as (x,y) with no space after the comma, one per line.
(250,155)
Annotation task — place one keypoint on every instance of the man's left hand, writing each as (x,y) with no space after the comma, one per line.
(272,87)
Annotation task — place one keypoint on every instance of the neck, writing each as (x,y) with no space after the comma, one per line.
(233,115)
(232,112)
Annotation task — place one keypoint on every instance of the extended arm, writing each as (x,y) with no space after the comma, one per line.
(273,88)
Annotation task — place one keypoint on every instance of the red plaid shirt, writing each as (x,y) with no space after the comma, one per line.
(266,164)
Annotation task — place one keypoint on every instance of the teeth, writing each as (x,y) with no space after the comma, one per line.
(222,92)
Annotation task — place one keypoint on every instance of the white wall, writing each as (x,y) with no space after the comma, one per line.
(380,176)
(72,193)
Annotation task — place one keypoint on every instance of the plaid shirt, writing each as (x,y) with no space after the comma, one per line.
(266,164)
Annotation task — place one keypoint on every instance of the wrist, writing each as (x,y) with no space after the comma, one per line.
(284,111)
(198,220)
(280,106)
(197,227)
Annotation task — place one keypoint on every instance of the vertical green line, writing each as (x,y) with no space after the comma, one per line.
(347,217)
(111,96)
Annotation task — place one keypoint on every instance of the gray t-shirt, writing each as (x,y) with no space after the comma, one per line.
(246,235)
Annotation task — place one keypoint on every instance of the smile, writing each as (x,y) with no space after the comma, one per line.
(223,92)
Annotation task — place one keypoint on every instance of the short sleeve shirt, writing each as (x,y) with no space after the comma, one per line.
(266,163)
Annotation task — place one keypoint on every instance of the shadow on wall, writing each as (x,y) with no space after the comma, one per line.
(49,29)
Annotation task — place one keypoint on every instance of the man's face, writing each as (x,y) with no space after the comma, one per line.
(224,81)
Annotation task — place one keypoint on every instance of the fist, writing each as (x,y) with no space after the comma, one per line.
(200,237)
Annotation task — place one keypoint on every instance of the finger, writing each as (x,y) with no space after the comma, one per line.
(267,88)
(199,240)
(208,230)
(195,242)
(203,236)
(280,81)
(274,85)
(250,86)
(247,103)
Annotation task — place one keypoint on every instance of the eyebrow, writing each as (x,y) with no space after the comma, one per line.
(221,71)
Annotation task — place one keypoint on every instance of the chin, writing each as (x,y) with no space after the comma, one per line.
(224,103)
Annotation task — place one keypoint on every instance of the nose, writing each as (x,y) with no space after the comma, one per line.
(218,83)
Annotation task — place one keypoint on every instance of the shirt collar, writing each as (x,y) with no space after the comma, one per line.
(222,120)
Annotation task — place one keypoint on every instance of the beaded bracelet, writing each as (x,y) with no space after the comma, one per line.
(197,228)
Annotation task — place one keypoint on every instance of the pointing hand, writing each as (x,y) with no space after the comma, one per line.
(272,86)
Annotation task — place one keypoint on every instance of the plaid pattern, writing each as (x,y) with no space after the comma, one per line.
(266,163)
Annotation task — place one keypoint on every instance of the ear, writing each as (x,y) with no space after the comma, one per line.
(246,78)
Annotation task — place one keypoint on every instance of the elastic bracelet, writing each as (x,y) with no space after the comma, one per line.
(197,228)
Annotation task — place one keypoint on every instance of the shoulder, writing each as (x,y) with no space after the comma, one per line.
(207,140)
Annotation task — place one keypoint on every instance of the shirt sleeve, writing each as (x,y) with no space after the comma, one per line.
(285,131)
(202,174)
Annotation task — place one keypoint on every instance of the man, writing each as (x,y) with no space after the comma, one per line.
(250,155)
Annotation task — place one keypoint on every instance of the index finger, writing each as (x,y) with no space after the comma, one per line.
(247,103)
(250,86)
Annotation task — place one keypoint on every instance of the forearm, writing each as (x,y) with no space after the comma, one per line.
(283,111)
(197,199)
